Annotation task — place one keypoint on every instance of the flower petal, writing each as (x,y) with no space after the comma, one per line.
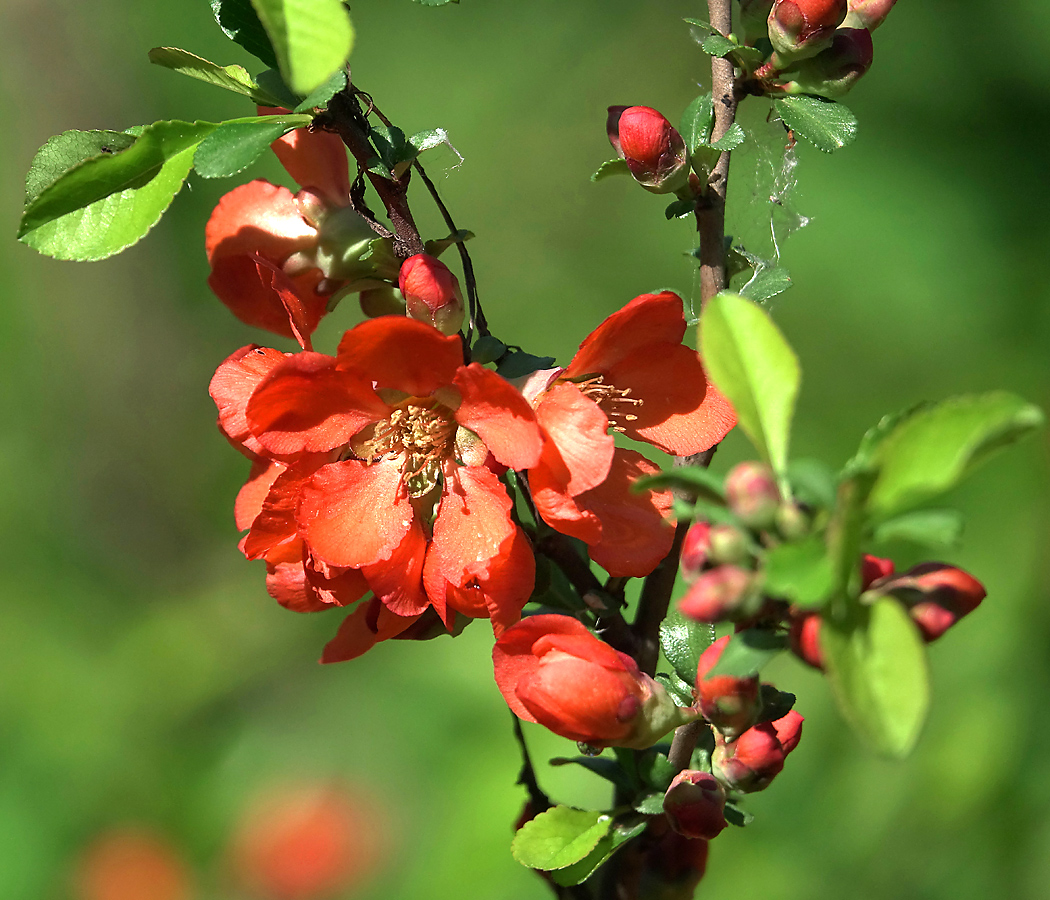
(314,159)
(352,514)
(257,217)
(635,533)
(273,533)
(287,584)
(579,429)
(495,411)
(648,319)
(547,484)
(307,405)
(334,586)
(398,581)
(401,353)
(360,631)
(231,386)
(250,497)
(681,411)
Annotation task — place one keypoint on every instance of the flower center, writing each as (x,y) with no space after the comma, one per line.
(420,431)
(615,402)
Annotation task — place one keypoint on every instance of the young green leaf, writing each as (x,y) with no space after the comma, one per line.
(520,363)
(751,363)
(603,767)
(559,837)
(682,641)
(239,21)
(232,78)
(732,139)
(319,97)
(311,39)
(717,45)
(68,150)
(827,125)
(110,201)
(801,573)
(437,246)
(607,846)
(926,527)
(689,479)
(876,665)
(766,283)
(609,168)
(236,144)
(931,451)
(695,126)
(748,652)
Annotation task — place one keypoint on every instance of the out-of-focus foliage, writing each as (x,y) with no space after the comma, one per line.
(146,677)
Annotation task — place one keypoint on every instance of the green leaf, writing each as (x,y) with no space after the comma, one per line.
(611,167)
(748,652)
(435,2)
(395,150)
(738,817)
(750,362)
(559,837)
(679,209)
(238,19)
(520,363)
(311,38)
(691,479)
(933,450)
(486,348)
(603,767)
(827,125)
(110,201)
(801,573)
(812,482)
(650,805)
(717,45)
(876,665)
(271,81)
(678,689)
(747,58)
(440,245)
(235,145)
(682,641)
(232,78)
(766,283)
(586,867)
(733,138)
(67,150)
(319,97)
(927,527)
(696,122)
(655,769)
(428,139)
(701,23)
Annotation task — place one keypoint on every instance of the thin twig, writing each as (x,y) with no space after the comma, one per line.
(684,743)
(527,777)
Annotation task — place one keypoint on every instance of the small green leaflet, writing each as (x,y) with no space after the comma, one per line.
(520,363)
(801,573)
(690,479)
(700,23)
(318,98)
(586,867)
(876,665)
(238,20)
(603,767)
(609,168)
(927,527)
(232,78)
(559,837)
(311,39)
(109,201)
(766,283)
(732,139)
(438,246)
(682,641)
(748,652)
(932,450)
(827,125)
(696,122)
(235,145)
(717,45)
(751,363)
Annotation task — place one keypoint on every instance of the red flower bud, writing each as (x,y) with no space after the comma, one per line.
(752,761)
(552,670)
(805,640)
(728,544)
(752,494)
(870,13)
(673,864)
(730,704)
(872,568)
(694,549)
(695,805)
(655,152)
(802,28)
(431,293)
(717,595)
(937,595)
(833,72)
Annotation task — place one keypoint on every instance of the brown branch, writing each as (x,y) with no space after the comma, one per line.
(684,743)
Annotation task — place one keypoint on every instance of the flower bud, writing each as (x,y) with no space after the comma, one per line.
(552,670)
(752,761)
(802,28)
(381,301)
(752,494)
(431,293)
(728,544)
(695,805)
(834,71)
(655,152)
(694,549)
(673,865)
(792,522)
(717,595)
(872,568)
(730,704)
(937,596)
(805,639)
(869,13)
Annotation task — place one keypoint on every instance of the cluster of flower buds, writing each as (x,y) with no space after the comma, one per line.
(935,594)
(820,47)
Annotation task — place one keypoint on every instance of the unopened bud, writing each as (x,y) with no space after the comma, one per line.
(752,494)
(654,151)
(792,522)
(718,595)
(805,639)
(695,805)
(752,761)
(937,596)
(728,544)
(431,293)
(729,703)
(382,301)
(695,549)
(872,568)
(869,13)
(834,71)
(802,28)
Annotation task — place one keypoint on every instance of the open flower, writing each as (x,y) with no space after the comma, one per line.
(631,375)
(374,472)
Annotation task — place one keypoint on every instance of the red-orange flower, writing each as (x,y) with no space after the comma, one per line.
(373,471)
(632,374)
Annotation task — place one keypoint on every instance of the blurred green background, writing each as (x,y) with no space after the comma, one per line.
(145,675)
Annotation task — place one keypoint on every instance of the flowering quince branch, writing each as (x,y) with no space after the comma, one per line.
(419,478)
